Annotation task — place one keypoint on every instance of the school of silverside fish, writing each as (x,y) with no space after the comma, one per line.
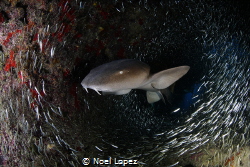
(47,47)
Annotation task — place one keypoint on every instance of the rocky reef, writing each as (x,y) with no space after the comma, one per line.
(48,46)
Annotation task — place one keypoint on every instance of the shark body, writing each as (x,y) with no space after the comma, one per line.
(119,77)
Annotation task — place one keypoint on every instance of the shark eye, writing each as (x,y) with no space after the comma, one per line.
(121,72)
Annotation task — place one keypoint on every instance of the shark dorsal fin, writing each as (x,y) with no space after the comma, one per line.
(164,79)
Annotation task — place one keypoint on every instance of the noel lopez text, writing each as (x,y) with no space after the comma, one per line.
(109,161)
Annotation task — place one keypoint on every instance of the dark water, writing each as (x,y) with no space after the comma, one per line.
(52,120)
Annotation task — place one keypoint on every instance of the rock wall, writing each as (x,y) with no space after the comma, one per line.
(48,46)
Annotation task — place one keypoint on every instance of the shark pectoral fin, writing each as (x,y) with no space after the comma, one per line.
(164,79)
(122,92)
(154,96)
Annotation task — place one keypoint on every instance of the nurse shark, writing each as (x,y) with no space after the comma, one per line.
(119,77)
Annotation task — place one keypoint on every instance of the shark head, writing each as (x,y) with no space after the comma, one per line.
(121,76)
(117,77)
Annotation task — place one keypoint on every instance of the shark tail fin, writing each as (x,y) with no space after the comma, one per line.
(169,95)
(154,96)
